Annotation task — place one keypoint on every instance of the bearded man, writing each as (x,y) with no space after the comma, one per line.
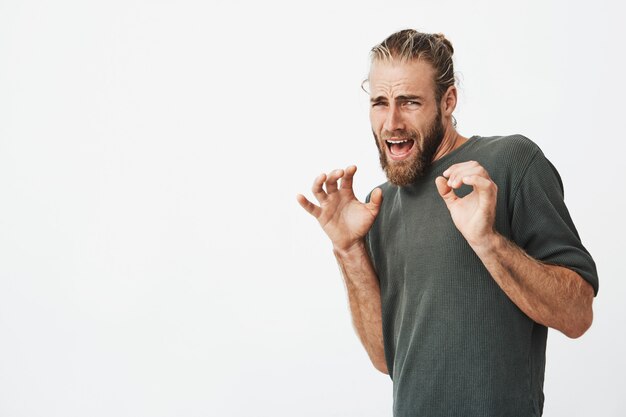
(456,267)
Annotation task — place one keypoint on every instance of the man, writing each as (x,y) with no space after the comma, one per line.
(457,265)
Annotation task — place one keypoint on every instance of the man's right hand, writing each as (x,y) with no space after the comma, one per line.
(345,219)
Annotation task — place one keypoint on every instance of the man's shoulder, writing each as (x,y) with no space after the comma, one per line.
(506,155)
(509,144)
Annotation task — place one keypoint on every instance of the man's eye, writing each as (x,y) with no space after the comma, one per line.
(378,104)
(412,103)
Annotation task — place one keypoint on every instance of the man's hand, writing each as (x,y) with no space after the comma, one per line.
(474,215)
(345,219)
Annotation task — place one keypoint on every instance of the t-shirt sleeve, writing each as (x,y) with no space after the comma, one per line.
(367,235)
(541,223)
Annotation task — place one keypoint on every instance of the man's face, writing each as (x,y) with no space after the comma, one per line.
(405,117)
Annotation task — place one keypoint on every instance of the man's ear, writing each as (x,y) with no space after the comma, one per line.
(448,101)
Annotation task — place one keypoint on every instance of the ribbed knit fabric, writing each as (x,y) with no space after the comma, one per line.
(455,344)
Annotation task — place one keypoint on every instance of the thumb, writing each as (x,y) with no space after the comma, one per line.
(445,191)
(376,199)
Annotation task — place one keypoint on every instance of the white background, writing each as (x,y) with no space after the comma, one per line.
(153,258)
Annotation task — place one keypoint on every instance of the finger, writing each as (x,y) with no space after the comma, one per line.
(346,181)
(481,184)
(308,206)
(376,199)
(331,182)
(456,167)
(456,176)
(317,189)
(445,191)
(456,179)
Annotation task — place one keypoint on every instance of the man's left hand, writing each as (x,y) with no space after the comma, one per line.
(474,215)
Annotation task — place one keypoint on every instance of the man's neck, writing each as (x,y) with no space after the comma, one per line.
(451,141)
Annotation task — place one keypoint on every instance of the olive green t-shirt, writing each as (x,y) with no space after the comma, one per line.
(455,344)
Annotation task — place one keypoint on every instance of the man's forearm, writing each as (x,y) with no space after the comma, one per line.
(552,295)
(364,300)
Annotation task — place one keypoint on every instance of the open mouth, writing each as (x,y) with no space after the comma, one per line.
(399,149)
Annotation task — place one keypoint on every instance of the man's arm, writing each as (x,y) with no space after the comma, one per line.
(552,295)
(549,294)
(346,221)
(364,300)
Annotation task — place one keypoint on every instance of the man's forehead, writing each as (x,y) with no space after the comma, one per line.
(415,75)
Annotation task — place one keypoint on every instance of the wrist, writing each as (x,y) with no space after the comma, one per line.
(488,243)
(355,249)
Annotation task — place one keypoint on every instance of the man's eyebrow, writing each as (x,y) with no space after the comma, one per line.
(408,97)
(377,99)
(404,97)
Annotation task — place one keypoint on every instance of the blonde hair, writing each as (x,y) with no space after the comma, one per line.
(409,44)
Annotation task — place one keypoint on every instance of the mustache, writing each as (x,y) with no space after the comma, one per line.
(399,134)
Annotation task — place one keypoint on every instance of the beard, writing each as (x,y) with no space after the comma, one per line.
(406,172)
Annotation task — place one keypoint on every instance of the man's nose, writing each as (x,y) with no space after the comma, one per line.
(393,121)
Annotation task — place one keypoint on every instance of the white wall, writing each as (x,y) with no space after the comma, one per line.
(153,258)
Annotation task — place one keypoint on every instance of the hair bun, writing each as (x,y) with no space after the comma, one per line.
(441,37)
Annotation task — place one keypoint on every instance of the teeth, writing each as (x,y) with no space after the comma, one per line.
(397,141)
